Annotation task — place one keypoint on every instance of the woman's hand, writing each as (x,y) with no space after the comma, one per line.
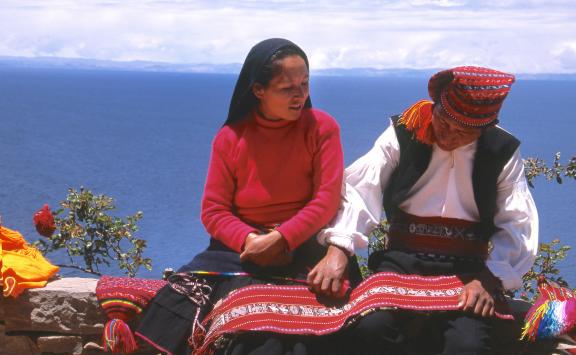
(326,277)
(269,249)
(479,294)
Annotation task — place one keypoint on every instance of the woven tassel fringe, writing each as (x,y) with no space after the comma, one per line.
(118,337)
(550,319)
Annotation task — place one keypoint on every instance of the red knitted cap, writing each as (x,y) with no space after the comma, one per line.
(472,96)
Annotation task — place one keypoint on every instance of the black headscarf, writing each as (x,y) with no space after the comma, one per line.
(243,100)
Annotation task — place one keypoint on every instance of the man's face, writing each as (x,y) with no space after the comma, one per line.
(450,134)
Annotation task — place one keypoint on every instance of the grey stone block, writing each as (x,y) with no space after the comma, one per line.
(20,345)
(60,344)
(66,306)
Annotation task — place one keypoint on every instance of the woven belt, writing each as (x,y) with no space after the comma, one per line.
(437,235)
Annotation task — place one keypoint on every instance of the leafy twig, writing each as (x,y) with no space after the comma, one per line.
(88,233)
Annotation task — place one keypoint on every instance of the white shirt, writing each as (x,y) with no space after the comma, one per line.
(445,190)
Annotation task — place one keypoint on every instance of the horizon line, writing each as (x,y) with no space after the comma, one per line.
(138,65)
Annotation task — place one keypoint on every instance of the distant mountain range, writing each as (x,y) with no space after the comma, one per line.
(230,68)
(96,64)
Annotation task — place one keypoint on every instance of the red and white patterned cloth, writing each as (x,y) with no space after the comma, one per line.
(296,310)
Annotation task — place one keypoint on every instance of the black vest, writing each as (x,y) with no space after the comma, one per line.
(494,149)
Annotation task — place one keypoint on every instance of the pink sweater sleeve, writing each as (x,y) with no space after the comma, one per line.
(328,165)
(217,216)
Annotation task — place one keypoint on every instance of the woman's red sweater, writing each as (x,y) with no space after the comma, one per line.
(263,173)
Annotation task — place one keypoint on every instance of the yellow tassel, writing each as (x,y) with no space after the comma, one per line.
(411,117)
(417,119)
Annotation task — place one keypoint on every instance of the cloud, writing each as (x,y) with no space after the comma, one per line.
(521,36)
(567,57)
(442,3)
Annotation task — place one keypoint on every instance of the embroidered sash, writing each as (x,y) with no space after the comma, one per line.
(437,235)
(296,310)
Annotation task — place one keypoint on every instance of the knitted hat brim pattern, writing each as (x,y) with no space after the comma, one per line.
(472,96)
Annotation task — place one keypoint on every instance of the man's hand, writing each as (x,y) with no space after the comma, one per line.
(269,249)
(326,277)
(479,294)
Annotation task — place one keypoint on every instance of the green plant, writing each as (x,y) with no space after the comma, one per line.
(377,240)
(534,167)
(87,232)
(546,265)
(549,254)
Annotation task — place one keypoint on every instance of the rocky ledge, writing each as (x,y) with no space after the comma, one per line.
(65,318)
(62,318)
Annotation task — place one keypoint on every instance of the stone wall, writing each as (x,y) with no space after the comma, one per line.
(62,318)
(65,318)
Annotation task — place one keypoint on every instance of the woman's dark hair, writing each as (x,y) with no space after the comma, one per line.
(260,66)
(272,66)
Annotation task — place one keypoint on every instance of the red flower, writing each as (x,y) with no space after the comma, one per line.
(44,222)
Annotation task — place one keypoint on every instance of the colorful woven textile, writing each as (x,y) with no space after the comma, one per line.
(436,235)
(472,96)
(122,299)
(552,315)
(295,310)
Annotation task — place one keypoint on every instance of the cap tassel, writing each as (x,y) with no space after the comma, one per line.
(417,119)
(118,337)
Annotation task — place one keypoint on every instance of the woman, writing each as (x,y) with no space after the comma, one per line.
(274,180)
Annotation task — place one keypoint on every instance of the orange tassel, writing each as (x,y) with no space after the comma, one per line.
(118,337)
(417,119)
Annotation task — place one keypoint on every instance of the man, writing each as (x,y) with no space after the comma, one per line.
(451,182)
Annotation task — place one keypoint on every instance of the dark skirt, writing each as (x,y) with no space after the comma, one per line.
(405,332)
(167,322)
(425,265)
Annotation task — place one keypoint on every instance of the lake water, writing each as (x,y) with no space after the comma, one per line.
(144,139)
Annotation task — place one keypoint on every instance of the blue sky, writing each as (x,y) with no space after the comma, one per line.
(521,36)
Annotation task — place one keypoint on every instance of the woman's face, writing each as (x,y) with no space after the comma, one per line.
(448,133)
(284,96)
